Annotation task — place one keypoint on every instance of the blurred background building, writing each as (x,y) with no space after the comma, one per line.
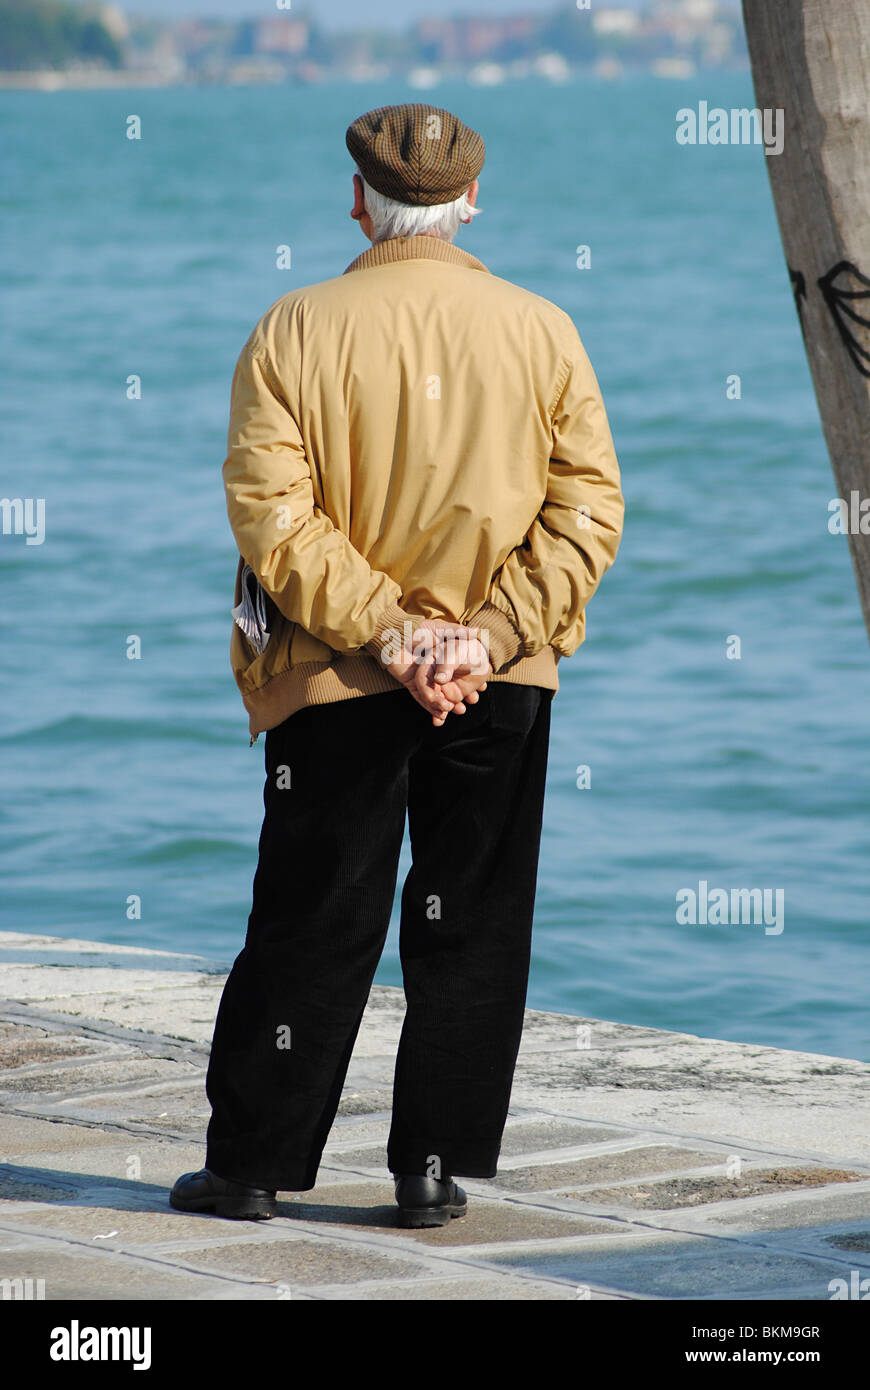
(56,42)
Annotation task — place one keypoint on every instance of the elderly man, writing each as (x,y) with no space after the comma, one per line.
(423,489)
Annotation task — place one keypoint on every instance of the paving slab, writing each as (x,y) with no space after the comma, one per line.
(857,1242)
(97,1078)
(72,1276)
(31,1135)
(300,1261)
(368,1102)
(804,1209)
(154,1162)
(369,1206)
(677,1193)
(644,1161)
(113,1227)
(502,1290)
(531,1136)
(682,1268)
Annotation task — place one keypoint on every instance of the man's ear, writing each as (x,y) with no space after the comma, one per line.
(472,198)
(359,205)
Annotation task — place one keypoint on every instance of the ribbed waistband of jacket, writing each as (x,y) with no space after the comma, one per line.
(322,682)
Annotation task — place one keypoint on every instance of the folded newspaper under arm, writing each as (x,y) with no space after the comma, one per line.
(250,614)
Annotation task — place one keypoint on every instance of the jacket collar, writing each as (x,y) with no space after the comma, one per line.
(415,247)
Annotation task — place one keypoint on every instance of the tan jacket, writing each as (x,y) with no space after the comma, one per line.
(414,438)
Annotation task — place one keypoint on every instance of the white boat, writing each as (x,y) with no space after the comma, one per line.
(487,75)
(424,77)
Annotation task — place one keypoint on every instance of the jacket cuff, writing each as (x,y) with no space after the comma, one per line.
(390,634)
(503,640)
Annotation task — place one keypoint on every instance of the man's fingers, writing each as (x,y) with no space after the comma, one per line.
(451,664)
(426,694)
(463,654)
(453,692)
(438,711)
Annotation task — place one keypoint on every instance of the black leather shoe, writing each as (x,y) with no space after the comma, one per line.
(428,1201)
(205,1191)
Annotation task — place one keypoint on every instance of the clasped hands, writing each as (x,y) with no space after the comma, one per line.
(445,670)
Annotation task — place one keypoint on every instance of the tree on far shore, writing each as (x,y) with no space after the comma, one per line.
(36,34)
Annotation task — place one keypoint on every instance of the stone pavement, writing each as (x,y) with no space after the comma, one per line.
(636,1164)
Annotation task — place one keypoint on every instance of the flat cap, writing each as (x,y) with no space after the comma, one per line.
(417,154)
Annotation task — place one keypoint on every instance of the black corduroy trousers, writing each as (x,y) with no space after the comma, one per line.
(340,779)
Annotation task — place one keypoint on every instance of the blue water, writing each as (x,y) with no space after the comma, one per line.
(128,777)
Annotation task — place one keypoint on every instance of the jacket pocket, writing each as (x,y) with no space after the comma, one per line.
(252,669)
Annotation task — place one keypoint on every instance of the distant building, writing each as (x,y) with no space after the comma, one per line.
(667,37)
(281,34)
(114,21)
(468,39)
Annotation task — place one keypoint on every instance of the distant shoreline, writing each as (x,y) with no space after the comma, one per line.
(113,80)
(51,81)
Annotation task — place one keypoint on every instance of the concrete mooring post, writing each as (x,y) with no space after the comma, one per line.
(811,59)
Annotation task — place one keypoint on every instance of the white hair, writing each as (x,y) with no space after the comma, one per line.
(392,219)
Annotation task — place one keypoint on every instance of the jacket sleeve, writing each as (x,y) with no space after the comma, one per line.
(539,595)
(311,570)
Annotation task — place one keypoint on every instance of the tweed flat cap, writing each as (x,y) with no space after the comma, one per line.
(417,154)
